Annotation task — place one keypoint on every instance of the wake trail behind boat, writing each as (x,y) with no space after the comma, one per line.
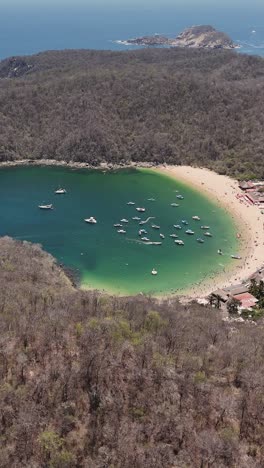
(147,220)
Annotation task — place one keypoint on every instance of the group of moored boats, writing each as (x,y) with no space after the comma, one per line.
(142,232)
(59,191)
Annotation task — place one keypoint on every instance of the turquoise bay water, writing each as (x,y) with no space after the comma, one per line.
(103,258)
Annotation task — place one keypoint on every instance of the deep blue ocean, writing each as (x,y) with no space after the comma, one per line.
(33,28)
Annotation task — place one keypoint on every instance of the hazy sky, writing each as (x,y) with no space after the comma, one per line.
(242,4)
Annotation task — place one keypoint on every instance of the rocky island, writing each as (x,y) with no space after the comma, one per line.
(203,37)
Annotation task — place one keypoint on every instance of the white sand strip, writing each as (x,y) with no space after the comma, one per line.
(248,218)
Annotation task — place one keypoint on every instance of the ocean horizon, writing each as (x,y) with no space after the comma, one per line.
(30,29)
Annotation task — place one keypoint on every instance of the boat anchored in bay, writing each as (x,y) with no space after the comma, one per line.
(46,207)
(60,191)
(91,220)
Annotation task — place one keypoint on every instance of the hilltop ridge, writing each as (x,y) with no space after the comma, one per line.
(177,106)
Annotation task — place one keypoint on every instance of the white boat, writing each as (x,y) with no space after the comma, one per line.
(205,227)
(121,231)
(90,220)
(219,251)
(179,242)
(162,236)
(142,231)
(130,203)
(141,210)
(189,231)
(136,218)
(177,226)
(154,272)
(201,241)
(60,191)
(124,220)
(236,257)
(180,197)
(155,243)
(154,226)
(175,204)
(46,207)
(208,234)
(146,239)
(174,236)
(151,199)
(196,218)
(118,225)
(185,222)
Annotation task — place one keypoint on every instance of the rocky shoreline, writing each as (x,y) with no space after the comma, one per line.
(203,37)
(75,165)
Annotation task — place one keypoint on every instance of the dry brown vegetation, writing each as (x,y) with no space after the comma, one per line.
(177,106)
(95,381)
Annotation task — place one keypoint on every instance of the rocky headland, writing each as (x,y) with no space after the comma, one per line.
(204,37)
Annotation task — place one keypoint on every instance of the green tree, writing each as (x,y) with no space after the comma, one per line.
(215,300)
(233,305)
(253,288)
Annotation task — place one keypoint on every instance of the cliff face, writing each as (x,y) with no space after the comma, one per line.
(203,37)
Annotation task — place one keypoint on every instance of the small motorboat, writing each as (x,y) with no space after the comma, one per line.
(60,191)
(189,231)
(145,239)
(185,222)
(124,220)
(201,241)
(154,226)
(151,199)
(177,226)
(142,231)
(236,257)
(141,210)
(205,227)
(208,234)
(155,243)
(180,197)
(196,218)
(174,236)
(162,236)
(175,204)
(131,203)
(90,220)
(154,272)
(219,251)
(136,218)
(179,242)
(118,225)
(46,207)
(121,231)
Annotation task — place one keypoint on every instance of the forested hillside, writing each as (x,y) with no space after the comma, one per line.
(159,105)
(93,381)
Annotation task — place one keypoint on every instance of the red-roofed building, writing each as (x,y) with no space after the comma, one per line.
(246,185)
(247,300)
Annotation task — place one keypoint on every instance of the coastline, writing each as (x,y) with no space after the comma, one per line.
(223,190)
(76,165)
(248,219)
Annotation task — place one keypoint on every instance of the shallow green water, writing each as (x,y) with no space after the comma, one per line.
(104,258)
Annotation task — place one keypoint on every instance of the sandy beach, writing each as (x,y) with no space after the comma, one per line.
(248,218)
